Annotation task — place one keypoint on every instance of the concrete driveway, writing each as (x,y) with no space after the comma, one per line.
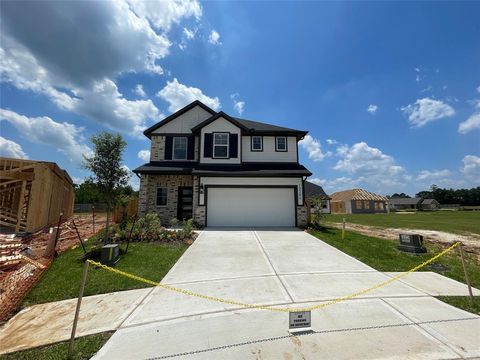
(289,268)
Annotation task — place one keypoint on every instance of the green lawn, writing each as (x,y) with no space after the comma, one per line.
(450,221)
(62,280)
(84,348)
(383,255)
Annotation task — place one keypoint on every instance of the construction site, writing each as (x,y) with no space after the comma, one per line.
(36,224)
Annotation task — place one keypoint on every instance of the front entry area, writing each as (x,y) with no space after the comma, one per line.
(237,206)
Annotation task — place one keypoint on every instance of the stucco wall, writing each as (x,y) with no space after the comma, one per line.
(269,154)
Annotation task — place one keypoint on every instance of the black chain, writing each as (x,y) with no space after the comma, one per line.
(307,334)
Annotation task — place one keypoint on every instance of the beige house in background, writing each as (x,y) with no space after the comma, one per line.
(357,201)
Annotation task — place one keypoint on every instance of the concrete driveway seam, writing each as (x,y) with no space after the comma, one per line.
(420,327)
(265,253)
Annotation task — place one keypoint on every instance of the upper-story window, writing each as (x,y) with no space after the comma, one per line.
(180,148)
(281,143)
(257,143)
(220,145)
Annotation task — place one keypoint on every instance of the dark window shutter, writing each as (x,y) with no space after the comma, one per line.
(233,145)
(168,147)
(208,145)
(191,148)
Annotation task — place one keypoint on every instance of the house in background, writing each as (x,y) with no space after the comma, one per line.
(357,201)
(396,204)
(223,171)
(429,204)
(316,191)
(404,203)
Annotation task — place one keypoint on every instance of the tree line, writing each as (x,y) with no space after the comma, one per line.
(464,197)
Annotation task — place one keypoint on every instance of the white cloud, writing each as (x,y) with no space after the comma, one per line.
(313,148)
(372,109)
(331,142)
(140,91)
(214,38)
(144,155)
(427,110)
(179,95)
(369,165)
(9,148)
(123,37)
(472,123)
(471,168)
(66,137)
(163,14)
(189,34)
(478,89)
(427,175)
(238,105)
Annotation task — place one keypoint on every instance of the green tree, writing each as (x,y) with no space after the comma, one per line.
(108,174)
(317,204)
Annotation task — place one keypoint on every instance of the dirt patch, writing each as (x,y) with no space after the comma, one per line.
(17,280)
(471,242)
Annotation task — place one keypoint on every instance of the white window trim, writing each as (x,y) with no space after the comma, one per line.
(227,145)
(166,198)
(276,144)
(261,143)
(173,147)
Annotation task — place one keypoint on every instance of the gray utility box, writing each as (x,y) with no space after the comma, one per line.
(412,243)
(110,254)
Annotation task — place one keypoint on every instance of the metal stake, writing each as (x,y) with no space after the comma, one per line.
(467,279)
(79,237)
(77,310)
(343,229)
(93,219)
(130,235)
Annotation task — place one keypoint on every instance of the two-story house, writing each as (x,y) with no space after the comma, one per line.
(223,171)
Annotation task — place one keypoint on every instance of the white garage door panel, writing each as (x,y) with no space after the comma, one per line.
(251,207)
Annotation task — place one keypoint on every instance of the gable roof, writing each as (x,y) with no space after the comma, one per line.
(247,126)
(217,116)
(259,127)
(429,202)
(314,190)
(176,114)
(404,201)
(356,194)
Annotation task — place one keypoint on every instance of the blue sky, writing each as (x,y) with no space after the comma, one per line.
(390,92)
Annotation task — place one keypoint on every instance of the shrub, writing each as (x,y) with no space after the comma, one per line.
(174,222)
(148,227)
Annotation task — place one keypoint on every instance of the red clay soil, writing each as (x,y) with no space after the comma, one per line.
(17,280)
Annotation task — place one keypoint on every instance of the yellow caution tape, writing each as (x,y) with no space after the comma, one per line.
(272,308)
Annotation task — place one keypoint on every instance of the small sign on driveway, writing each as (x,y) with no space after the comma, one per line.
(299,321)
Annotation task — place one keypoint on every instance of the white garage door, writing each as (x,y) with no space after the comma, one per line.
(270,207)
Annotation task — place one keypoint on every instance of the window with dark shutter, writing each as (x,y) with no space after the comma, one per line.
(233,149)
(168,147)
(191,148)
(207,145)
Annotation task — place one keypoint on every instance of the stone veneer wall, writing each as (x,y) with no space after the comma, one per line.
(302,216)
(157,150)
(148,194)
(198,211)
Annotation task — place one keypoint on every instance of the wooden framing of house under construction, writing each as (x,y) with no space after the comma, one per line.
(33,194)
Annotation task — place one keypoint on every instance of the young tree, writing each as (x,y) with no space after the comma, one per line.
(317,203)
(108,174)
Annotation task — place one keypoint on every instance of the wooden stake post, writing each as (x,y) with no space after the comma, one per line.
(343,229)
(77,310)
(467,279)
